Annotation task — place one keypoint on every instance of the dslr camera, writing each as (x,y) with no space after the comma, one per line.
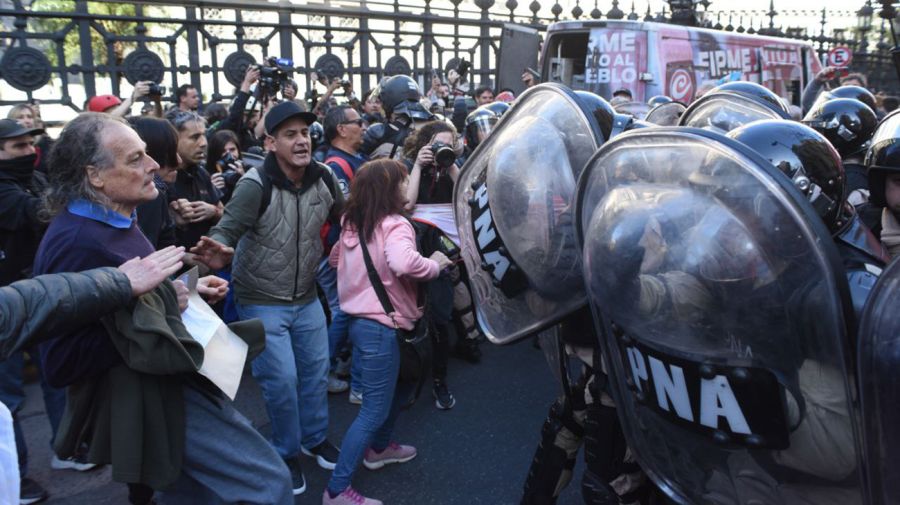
(156,90)
(229,175)
(273,74)
(444,155)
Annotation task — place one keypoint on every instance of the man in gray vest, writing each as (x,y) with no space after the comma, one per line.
(273,220)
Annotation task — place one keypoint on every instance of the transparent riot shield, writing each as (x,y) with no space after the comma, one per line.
(879,379)
(721,303)
(666,114)
(724,111)
(637,110)
(513,205)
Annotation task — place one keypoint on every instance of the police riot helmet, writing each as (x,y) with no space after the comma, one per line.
(724,110)
(883,156)
(397,91)
(658,99)
(855,92)
(611,122)
(757,90)
(847,123)
(316,134)
(666,114)
(498,108)
(479,124)
(804,156)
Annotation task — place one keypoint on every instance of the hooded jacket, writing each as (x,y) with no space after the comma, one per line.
(398,263)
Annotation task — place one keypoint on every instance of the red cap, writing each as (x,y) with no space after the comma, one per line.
(102,102)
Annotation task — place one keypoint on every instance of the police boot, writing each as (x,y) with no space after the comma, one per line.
(554,459)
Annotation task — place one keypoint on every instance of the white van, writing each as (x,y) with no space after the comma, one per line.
(661,59)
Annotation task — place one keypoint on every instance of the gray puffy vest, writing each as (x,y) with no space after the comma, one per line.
(279,256)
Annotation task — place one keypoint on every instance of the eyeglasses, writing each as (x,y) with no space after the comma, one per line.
(358,122)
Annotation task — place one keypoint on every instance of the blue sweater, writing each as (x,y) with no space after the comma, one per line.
(82,237)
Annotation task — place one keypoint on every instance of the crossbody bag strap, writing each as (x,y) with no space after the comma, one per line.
(377,284)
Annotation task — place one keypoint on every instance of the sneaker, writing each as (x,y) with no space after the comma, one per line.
(468,350)
(342,368)
(326,454)
(74,463)
(298,483)
(31,492)
(348,496)
(443,398)
(336,385)
(355,397)
(393,453)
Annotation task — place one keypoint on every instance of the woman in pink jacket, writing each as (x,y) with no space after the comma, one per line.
(374,213)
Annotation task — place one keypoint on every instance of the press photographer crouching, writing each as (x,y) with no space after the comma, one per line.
(223,162)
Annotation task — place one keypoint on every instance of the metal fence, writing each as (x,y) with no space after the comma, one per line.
(98,44)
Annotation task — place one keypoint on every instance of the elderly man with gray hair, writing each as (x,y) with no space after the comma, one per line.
(133,392)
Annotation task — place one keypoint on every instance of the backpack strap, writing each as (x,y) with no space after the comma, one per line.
(386,304)
(343,165)
(267,190)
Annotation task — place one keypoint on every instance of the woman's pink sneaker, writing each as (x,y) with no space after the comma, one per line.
(348,496)
(393,453)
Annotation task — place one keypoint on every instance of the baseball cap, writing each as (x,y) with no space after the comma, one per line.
(623,91)
(284,111)
(100,103)
(10,128)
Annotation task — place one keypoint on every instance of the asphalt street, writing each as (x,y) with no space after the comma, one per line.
(476,453)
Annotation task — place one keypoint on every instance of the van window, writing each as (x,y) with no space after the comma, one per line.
(566,57)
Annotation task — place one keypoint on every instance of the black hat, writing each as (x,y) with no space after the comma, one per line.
(284,111)
(10,128)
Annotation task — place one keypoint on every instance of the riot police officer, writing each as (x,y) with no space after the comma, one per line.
(848,124)
(882,213)
(810,161)
(514,215)
(718,293)
(733,104)
(399,97)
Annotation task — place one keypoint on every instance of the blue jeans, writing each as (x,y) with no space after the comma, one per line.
(12,394)
(293,373)
(338,330)
(375,347)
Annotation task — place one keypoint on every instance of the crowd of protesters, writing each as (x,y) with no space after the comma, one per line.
(290,208)
(271,197)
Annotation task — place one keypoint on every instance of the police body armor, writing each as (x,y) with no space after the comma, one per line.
(723,310)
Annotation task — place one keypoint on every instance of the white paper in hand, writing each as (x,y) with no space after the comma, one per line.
(224,353)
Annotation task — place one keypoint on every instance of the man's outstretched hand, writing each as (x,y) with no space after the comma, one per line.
(212,288)
(147,273)
(212,253)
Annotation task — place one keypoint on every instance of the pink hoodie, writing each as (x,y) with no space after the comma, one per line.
(398,263)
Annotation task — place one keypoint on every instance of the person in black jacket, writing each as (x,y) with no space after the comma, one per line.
(154,217)
(21,230)
(34,309)
(239,121)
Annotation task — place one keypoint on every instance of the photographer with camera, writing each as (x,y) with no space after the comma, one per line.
(223,162)
(240,120)
(430,157)
(321,108)
(112,105)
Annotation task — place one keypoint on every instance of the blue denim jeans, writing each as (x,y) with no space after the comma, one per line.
(12,394)
(293,373)
(375,347)
(338,330)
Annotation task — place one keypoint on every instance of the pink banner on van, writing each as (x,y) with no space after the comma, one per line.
(616,59)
